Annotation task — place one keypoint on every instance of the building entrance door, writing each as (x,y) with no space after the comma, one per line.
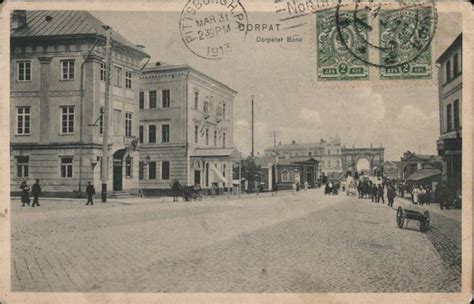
(309,177)
(197,177)
(118,169)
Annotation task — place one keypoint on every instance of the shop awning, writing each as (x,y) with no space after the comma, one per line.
(423,173)
(216,152)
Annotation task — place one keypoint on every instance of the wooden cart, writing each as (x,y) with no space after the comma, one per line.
(408,211)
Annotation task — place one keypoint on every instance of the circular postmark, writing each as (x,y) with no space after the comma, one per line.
(209,28)
(405,31)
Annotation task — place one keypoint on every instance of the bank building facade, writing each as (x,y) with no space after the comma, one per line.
(165,122)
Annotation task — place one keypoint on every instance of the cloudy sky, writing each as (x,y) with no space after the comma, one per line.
(400,115)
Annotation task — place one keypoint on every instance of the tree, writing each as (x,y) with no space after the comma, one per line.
(250,171)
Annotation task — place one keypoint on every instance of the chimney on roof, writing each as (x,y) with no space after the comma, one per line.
(293,142)
(18,19)
(371,146)
(279,143)
(158,63)
(48,18)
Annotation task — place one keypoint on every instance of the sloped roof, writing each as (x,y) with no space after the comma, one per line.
(64,24)
(297,146)
(423,173)
(213,152)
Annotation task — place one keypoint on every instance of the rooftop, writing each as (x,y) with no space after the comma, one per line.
(456,43)
(49,23)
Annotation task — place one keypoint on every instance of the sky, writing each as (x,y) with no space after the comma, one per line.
(400,115)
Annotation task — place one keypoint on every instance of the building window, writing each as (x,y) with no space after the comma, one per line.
(117,76)
(285,176)
(207,137)
(66,167)
(196,134)
(457,122)
(103,71)
(67,120)
(455,65)
(448,71)
(23,120)
(101,121)
(140,134)
(196,100)
(152,170)
(152,134)
(68,69)
(165,98)
(128,79)
(449,126)
(128,167)
(23,70)
(22,166)
(309,153)
(165,133)
(141,100)
(215,138)
(152,99)
(165,170)
(128,124)
(141,170)
(223,140)
(223,110)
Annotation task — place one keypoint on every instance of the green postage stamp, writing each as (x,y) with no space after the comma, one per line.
(335,55)
(400,38)
(405,43)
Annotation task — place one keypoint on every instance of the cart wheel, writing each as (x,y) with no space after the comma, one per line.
(400,217)
(425,222)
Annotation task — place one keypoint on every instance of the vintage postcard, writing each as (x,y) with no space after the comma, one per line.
(226,151)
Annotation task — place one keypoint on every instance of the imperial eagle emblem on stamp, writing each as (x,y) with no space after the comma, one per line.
(337,45)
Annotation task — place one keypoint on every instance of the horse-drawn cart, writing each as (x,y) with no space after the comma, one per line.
(408,211)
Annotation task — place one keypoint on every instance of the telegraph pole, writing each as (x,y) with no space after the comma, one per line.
(252,130)
(105,143)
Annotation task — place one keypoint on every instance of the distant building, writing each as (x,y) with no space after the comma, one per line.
(393,169)
(286,171)
(327,153)
(334,158)
(412,162)
(186,129)
(450,110)
(57,75)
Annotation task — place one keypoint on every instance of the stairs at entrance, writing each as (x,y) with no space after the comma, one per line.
(121,194)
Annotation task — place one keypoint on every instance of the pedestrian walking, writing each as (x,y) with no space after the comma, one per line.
(381,193)
(415,194)
(374,194)
(90,190)
(306,185)
(294,187)
(391,194)
(25,196)
(441,195)
(36,191)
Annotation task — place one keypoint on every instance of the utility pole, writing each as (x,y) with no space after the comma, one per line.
(105,143)
(252,130)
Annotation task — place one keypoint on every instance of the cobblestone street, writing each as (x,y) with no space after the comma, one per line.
(306,242)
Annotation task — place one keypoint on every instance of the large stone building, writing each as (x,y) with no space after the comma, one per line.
(186,129)
(327,153)
(450,114)
(334,158)
(57,75)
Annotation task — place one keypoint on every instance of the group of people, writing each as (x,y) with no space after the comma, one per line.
(376,192)
(36,191)
(331,188)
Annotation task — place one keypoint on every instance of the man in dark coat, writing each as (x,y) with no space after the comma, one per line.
(90,190)
(380,193)
(36,191)
(391,194)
